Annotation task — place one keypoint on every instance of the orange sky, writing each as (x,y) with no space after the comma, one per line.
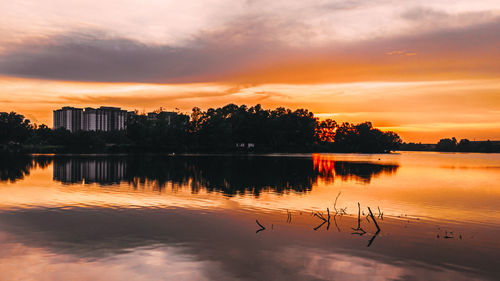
(426,70)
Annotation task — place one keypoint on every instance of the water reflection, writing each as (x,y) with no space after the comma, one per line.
(225,245)
(230,175)
(329,168)
(101,170)
(62,223)
(14,168)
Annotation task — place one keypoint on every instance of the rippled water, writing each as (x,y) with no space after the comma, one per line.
(193,217)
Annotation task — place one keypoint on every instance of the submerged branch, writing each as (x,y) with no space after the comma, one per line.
(335,204)
(261,227)
(373,218)
(359,230)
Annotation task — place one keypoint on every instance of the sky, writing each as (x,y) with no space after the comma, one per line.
(425,69)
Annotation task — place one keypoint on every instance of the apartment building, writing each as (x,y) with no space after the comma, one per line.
(91,119)
(69,118)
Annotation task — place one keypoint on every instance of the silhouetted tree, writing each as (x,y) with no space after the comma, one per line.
(364,138)
(464,145)
(447,145)
(325,130)
(223,129)
(467,146)
(14,128)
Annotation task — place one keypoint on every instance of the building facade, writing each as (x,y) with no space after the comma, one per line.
(69,118)
(91,119)
(110,119)
(166,115)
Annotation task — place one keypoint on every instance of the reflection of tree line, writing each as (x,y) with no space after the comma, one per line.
(16,167)
(236,175)
(230,175)
(330,169)
(227,174)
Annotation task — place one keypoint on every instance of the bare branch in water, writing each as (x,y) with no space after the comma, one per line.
(373,238)
(335,204)
(289,217)
(359,230)
(320,216)
(261,227)
(335,221)
(328,226)
(373,218)
(317,227)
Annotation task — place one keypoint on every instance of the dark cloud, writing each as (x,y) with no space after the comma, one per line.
(97,56)
(94,57)
(251,43)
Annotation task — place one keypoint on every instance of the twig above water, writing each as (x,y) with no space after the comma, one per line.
(335,204)
(320,216)
(317,227)
(373,218)
(325,220)
(359,230)
(380,214)
(261,227)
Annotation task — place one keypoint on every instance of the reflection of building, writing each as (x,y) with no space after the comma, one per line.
(100,171)
(90,119)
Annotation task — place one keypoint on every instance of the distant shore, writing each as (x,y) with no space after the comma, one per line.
(127,149)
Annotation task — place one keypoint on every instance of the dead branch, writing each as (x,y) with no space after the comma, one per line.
(373,218)
(328,226)
(335,204)
(359,230)
(261,227)
(289,217)
(373,238)
(380,214)
(317,227)
(335,221)
(320,216)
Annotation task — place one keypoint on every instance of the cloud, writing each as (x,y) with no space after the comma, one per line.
(433,18)
(400,53)
(257,49)
(95,55)
(343,5)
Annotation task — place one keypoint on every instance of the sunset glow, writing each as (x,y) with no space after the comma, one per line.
(424,69)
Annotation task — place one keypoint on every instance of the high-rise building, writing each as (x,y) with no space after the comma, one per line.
(69,118)
(110,118)
(91,119)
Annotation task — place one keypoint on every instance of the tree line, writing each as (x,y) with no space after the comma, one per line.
(453,145)
(465,145)
(225,129)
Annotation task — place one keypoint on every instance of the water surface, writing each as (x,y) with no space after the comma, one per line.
(193,217)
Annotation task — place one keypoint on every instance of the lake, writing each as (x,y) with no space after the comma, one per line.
(421,216)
